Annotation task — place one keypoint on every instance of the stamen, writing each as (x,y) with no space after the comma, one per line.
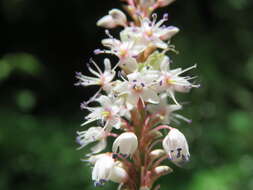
(187,69)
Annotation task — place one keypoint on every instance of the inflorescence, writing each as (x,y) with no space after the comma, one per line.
(136,100)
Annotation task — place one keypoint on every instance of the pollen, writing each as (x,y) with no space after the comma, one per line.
(106,114)
(169,81)
(137,88)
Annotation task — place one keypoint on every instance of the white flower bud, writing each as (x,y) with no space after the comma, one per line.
(176,146)
(170,32)
(102,170)
(118,16)
(163,3)
(163,170)
(118,173)
(157,153)
(106,22)
(115,18)
(147,3)
(126,144)
(144,188)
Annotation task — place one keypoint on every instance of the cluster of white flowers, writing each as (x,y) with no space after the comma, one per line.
(141,81)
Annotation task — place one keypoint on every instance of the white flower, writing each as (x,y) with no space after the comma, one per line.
(91,135)
(166,110)
(126,51)
(108,113)
(171,82)
(138,86)
(151,33)
(176,146)
(102,170)
(102,79)
(106,168)
(126,144)
(115,18)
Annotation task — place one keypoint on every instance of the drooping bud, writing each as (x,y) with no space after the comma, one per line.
(106,22)
(163,3)
(126,144)
(170,32)
(102,170)
(147,3)
(163,170)
(115,18)
(118,16)
(144,188)
(118,173)
(176,146)
(157,153)
(156,134)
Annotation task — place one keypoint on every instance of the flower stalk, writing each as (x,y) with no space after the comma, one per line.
(135,108)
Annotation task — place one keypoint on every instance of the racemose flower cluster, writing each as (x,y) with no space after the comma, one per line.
(136,100)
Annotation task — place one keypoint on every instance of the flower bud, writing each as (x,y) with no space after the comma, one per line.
(157,153)
(102,170)
(163,3)
(118,16)
(176,146)
(118,173)
(144,188)
(156,134)
(106,22)
(170,32)
(126,144)
(147,3)
(163,170)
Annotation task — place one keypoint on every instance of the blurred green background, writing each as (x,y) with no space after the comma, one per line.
(44,42)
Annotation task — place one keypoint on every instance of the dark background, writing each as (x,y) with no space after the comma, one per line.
(44,42)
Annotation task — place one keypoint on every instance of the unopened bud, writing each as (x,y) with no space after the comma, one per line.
(156,133)
(106,22)
(126,144)
(163,170)
(163,3)
(171,31)
(118,173)
(157,153)
(144,188)
(118,16)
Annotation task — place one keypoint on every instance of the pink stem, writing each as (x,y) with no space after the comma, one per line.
(112,135)
(162,127)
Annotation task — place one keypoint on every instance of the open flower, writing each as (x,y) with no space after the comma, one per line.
(176,146)
(151,33)
(93,134)
(125,50)
(171,81)
(108,113)
(166,110)
(102,79)
(126,144)
(138,86)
